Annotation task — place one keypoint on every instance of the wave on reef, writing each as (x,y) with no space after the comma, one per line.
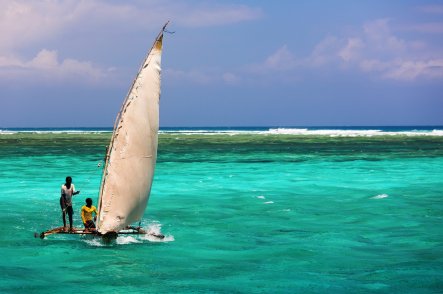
(308,131)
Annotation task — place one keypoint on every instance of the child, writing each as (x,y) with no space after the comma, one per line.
(86,212)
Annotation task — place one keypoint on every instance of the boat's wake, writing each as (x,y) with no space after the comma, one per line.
(153,230)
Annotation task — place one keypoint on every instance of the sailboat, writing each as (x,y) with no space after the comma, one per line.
(131,155)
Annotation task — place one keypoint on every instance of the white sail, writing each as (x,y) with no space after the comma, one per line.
(132,154)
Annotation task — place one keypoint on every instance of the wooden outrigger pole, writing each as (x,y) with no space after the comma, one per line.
(79,231)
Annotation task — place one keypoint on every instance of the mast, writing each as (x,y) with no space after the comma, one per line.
(131,155)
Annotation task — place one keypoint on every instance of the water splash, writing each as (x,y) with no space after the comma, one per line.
(381,196)
(155,229)
(124,240)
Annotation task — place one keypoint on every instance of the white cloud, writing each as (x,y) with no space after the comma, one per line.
(377,50)
(45,66)
(372,50)
(281,60)
(351,50)
(324,52)
(24,24)
(379,36)
(410,70)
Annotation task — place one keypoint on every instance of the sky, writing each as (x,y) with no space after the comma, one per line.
(228,63)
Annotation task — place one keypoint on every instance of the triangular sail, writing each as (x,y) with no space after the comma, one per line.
(132,154)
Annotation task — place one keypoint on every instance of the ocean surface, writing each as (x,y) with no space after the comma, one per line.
(244,210)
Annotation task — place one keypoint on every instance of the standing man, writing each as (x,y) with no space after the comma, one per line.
(68,190)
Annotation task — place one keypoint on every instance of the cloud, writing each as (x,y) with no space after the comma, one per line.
(411,69)
(281,60)
(376,49)
(396,58)
(196,76)
(27,24)
(45,66)
(406,70)
(22,23)
(47,62)
(202,16)
(231,78)
(432,9)
(328,51)
(379,36)
(351,50)
(373,49)
(428,27)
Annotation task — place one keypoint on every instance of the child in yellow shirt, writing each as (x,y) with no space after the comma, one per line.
(86,212)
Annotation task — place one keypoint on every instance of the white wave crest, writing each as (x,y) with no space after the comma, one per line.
(97,242)
(331,132)
(310,132)
(436,133)
(381,196)
(124,239)
(57,132)
(5,132)
(287,131)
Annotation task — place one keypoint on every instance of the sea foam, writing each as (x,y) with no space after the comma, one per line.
(123,240)
(381,196)
(331,132)
(309,132)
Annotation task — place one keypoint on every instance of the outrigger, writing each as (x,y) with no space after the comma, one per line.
(130,157)
(130,230)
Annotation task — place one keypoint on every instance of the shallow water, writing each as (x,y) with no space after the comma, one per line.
(243,213)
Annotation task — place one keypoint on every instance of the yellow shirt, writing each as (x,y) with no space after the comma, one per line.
(87,213)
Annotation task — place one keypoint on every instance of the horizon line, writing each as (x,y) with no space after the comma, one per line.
(235,126)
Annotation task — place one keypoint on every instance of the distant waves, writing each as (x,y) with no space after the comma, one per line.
(317,131)
(311,132)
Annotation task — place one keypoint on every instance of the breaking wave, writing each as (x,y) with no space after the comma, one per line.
(320,131)
(332,132)
(381,196)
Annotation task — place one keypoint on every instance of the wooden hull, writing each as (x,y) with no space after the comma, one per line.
(108,236)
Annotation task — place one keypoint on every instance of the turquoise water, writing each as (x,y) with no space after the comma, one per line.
(252,212)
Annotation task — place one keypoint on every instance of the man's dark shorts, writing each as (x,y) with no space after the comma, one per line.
(68,210)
